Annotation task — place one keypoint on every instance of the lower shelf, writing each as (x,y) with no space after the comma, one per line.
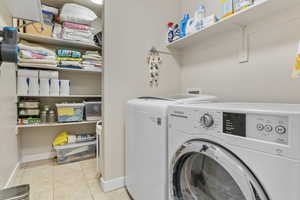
(56,124)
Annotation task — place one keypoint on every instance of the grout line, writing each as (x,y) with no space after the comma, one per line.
(53,180)
(86,181)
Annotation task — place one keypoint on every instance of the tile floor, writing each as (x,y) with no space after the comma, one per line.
(75,181)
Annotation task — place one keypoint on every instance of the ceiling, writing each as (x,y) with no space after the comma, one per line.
(87,3)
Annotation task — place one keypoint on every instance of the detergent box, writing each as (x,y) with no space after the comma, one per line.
(241,4)
(227,8)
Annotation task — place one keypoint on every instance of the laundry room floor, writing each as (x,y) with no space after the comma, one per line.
(75,181)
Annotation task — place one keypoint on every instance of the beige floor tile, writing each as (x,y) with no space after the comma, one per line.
(94,186)
(38,165)
(90,174)
(74,192)
(119,195)
(74,181)
(88,163)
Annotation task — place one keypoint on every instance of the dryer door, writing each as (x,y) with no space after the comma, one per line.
(203,170)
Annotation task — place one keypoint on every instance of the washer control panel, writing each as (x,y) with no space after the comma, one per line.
(210,121)
(270,128)
(267,128)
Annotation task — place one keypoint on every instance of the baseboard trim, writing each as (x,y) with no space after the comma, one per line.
(37,157)
(12,175)
(113,184)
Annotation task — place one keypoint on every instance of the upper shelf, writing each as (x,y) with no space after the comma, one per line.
(260,9)
(58,42)
(60,68)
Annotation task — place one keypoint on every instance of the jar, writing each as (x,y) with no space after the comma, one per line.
(44,117)
(51,116)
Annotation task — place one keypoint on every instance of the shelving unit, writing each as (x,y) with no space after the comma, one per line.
(58,42)
(71,96)
(241,20)
(86,85)
(55,124)
(60,69)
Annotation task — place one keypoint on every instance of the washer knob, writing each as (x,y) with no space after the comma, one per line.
(207,120)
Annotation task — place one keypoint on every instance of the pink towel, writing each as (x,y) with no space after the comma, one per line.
(76,26)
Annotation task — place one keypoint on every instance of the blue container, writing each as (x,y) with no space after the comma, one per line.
(70,112)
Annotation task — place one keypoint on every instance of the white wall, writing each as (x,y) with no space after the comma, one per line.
(214,64)
(131,28)
(8,141)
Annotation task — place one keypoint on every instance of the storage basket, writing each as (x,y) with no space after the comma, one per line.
(75,152)
(70,112)
(92,110)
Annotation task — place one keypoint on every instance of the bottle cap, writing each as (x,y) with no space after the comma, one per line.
(201,7)
(170,24)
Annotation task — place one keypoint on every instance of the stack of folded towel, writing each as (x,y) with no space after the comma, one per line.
(92,60)
(34,55)
(77,32)
(69,58)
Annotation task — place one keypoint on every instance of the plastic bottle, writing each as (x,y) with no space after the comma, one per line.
(183,24)
(170,32)
(199,17)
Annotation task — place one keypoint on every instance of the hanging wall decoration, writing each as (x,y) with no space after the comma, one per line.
(296,70)
(154,62)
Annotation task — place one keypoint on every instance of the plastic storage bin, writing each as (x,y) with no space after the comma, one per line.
(20,192)
(70,112)
(75,152)
(92,110)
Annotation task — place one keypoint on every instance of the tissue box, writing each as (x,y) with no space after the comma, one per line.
(54,87)
(45,87)
(64,89)
(33,88)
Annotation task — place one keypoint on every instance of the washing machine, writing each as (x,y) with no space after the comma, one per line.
(234,151)
(146,145)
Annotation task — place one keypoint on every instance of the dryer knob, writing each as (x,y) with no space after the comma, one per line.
(207,120)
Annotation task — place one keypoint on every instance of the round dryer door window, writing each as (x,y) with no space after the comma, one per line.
(203,170)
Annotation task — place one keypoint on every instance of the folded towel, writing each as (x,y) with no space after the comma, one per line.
(69,59)
(38,61)
(76,26)
(68,53)
(35,48)
(30,55)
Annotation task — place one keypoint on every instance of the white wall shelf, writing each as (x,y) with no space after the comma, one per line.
(56,124)
(60,69)
(58,42)
(242,19)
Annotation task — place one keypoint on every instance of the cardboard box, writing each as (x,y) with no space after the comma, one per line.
(36,29)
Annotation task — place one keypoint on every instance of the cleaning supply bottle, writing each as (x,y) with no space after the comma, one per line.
(183,24)
(176,30)
(170,32)
(199,17)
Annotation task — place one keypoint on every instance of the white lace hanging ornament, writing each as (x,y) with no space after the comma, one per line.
(154,61)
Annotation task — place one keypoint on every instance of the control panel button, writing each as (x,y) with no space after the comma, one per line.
(207,120)
(280,129)
(268,128)
(260,127)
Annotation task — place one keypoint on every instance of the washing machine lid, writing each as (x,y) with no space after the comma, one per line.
(183,98)
(204,170)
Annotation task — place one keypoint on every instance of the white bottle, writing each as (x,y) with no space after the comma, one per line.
(199,17)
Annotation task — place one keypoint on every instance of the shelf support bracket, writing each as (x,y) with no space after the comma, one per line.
(244,48)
